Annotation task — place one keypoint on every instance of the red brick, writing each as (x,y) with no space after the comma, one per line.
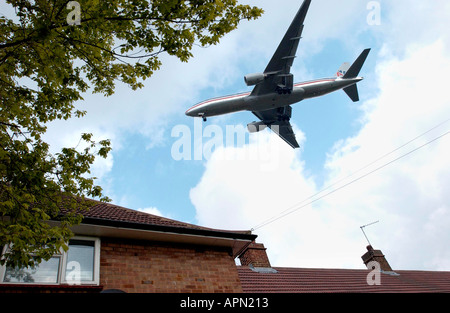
(169,268)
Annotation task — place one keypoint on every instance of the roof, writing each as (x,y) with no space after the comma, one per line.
(106,219)
(102,213)
(304,280)
(112,212)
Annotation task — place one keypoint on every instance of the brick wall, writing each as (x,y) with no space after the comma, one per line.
(377,256)
(256,255)
(142,266)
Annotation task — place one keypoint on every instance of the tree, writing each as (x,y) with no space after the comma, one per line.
(51,53)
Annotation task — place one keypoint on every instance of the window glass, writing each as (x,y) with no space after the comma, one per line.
(74,266)
(80,261)
(45,272)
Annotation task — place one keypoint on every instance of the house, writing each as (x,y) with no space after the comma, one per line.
(116,249)
(120,249)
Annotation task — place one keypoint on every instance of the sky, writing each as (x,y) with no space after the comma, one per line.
(385,158)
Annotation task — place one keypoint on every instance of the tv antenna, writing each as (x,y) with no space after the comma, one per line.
(364,226)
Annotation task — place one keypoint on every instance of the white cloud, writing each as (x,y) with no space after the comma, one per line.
(151,210)
(239,192)
(243,185)
(420,22)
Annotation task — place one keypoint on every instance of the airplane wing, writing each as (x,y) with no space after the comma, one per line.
(278,75)
(281,126)
(279,68)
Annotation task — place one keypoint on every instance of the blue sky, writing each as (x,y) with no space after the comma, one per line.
(337,138)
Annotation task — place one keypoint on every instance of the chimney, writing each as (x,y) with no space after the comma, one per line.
(377,256)
(255,255)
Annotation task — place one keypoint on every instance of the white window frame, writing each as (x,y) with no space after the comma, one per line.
(58,277)
(61,279)
(96,274)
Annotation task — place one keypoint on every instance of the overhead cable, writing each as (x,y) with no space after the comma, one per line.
(298,206)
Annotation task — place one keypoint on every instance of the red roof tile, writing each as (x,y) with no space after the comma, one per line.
(107,212)
(303,280)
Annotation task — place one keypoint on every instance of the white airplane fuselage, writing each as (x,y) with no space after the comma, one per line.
(247,102)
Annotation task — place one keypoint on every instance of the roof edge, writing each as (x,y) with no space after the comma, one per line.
(240,235)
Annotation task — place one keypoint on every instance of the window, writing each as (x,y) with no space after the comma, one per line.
(45,272)
(80,261)
(79,265)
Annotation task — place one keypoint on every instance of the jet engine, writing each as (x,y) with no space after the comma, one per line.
(256,127)
(254,79)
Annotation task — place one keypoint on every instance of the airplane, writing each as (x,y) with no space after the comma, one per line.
(275,90)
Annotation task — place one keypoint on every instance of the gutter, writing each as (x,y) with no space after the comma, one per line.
(171,229)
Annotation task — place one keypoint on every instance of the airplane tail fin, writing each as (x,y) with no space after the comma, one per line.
(355,68)
(342,70)
(352,92)
(352,72)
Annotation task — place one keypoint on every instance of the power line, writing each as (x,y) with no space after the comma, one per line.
(295,208)
(391,152)
(381,157)
(366,166)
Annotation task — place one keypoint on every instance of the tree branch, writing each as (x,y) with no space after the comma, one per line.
(10,125)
